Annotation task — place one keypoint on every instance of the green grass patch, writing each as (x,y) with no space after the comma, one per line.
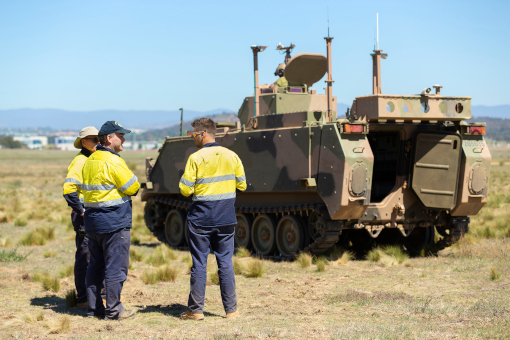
(214,278)
(321,263)
(49,253)
(238,266)
(12,256)
(66,271)
(20,222)
(135,255)
(162,274)
(397,253)
(494,274)
(162,254)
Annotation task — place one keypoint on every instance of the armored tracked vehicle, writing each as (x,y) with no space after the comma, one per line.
(395,169)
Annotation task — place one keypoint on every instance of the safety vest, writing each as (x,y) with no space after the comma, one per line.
(107,180)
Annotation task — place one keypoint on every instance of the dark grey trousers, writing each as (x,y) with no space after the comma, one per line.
(109,261)
(221,241)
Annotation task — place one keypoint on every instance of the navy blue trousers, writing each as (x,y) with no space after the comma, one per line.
(221,241)
(109,261)
(81,258)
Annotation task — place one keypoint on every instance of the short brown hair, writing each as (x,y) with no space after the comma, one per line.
(103,139)
(205,124)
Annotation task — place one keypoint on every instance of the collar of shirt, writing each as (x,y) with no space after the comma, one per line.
(210,144)
(102,148)
(86,152)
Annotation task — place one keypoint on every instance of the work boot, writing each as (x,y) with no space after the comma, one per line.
(82,305)
(233,315)
(121,300)
(128,314)
(187,315)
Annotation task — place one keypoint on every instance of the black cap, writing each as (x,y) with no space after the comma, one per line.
(112,126)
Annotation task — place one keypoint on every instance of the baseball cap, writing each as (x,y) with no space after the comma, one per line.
(112,126)
(85,132)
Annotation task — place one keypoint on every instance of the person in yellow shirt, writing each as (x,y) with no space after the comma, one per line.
(107,187)
(212,175)
(87,142)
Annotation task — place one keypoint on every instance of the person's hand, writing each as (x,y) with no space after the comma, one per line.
(83,212)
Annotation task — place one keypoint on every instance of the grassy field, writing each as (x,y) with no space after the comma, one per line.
(463,293)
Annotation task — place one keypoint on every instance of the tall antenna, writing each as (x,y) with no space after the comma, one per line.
(377,30)
(328,19)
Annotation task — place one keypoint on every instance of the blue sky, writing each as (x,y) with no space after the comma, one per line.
(162,55)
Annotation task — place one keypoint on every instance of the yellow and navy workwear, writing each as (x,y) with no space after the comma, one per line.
(73,182)
(281,82)
(212,176)
(107,187)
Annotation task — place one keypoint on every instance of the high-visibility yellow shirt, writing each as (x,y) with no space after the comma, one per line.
(72,184)
(107,187)
(212,175)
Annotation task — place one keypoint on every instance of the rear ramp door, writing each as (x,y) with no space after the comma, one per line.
(436,169)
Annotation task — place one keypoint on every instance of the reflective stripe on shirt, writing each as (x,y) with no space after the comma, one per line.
(241,179)
(128,184)
(217,197)
(72,180)
(216,179)
(109,203)
(187,183)
(91,187)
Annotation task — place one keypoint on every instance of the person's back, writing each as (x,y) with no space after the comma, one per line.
(212,176)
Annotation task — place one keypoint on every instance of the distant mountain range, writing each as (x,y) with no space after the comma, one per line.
(150,120)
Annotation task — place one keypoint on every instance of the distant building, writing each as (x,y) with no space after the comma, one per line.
(65,143)
(33,142)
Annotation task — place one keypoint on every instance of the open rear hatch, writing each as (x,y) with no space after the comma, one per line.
(436,169)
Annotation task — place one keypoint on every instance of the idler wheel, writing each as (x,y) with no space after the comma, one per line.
(289,235)
(242,237)
(174,228)
(419,239)
(263,235)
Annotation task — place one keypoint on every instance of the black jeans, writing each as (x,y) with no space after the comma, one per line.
(109,261)
(81,258)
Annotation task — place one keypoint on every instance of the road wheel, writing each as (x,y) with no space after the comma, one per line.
(289,235)
(263,235)
(242,237)
(149,215)
(174,228)
(314,227)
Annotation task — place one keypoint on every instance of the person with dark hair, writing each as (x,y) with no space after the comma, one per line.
(212,176)
(87,142)
(108,185)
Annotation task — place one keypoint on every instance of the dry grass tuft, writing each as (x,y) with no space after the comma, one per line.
(494,274)
(188,261)
(12,256)
(346,257)
(5,242)
(254,268)
(39,236)
(374,255)
(163,274)
(135,255)
(238,266)
(71,298)
(304,260)
(49,253)
(162,254)
(242,252)
(20,222)
(321,263)
(64,326)
(40,316)
(397,253)
(67,271)
(49,282)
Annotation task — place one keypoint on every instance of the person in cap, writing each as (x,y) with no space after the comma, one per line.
(108,185)
(212,175)
(87,142)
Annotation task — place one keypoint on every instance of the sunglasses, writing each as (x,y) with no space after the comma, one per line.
(197,133)
(94,139)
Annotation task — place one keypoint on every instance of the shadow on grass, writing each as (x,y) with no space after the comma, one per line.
(57,304)
(174,310)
